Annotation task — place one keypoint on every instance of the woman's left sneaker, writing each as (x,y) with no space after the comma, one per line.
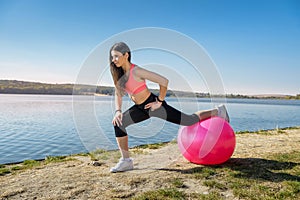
(222,112)
(124,164)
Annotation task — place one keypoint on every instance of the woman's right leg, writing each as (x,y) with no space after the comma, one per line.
(123,146)
(131,116)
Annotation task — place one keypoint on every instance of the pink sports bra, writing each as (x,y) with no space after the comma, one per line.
(132,86)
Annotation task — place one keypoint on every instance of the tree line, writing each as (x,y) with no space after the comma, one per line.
(25,87)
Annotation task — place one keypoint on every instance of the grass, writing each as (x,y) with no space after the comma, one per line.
(162,194)
(101,154)
(4,171)
(214,184)
(277,176)
(271,176)
(262,132)
(269,132)
(30,164)
(96,155)
(178,183)
(152,146)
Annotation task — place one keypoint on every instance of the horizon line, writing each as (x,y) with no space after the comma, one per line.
(66,83)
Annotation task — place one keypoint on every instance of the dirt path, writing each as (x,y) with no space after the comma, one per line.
(154,169)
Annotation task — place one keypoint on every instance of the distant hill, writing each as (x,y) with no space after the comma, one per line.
(26,87)
(264,96)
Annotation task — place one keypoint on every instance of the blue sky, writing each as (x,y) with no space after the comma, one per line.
(254,44)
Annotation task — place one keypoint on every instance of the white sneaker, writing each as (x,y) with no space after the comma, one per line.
(124,164)
(222,112)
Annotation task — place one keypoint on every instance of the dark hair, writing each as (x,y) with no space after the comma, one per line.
(118,73)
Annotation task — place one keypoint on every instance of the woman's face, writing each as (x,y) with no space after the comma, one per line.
(118,58)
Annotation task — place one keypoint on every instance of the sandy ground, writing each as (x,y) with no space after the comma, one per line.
(154,169)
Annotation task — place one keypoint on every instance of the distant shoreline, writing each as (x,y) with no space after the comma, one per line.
(37,88)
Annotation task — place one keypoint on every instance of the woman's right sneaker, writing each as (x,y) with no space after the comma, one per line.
(222,112)
(124,164)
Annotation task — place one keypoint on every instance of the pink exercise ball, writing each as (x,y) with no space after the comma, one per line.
(209,142)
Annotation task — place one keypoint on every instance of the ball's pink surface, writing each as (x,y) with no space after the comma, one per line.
(209,142)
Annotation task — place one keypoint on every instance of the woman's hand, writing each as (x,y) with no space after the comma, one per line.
(117,120)
(153,105)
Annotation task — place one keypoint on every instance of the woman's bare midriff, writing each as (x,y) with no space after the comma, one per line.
(141,96)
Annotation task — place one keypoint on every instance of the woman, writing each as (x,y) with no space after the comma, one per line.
(131,78)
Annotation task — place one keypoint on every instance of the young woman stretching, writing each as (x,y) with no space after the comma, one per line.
(130,78)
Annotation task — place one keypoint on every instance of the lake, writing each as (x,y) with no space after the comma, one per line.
(36,126)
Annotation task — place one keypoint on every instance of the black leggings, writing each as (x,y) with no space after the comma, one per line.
(137,114)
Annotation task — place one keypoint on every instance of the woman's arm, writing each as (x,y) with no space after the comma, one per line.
(154,77)
(117,120)
(118,100)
